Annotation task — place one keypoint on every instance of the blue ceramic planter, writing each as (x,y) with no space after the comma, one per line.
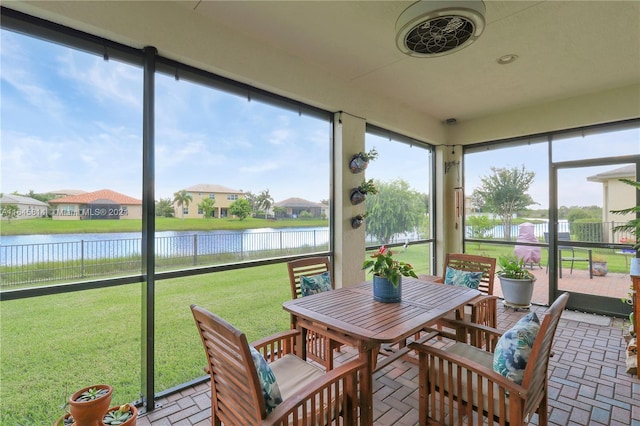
(385,292)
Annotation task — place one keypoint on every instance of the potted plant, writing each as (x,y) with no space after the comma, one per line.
(358,220)
(516,282)
(359,194)
(599,266)
(88,405)
(65,420)
(633,228)
(387,275)
(123,415)
(633,225)
(360,161)
(628,300)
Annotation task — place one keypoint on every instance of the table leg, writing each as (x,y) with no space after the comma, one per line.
(370,355)
(301,348)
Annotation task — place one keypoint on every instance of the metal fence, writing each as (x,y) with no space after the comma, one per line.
(27,264)
(593,232)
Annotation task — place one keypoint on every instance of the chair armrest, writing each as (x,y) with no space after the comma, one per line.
(481,336)
(338,390)
(483,298)
(484,310)
(277,345)
(476,368)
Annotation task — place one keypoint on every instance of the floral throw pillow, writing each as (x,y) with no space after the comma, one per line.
(514,348)
(315,283)
(270,389)
(462,278)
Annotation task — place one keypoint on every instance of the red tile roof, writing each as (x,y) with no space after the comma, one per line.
(103,194)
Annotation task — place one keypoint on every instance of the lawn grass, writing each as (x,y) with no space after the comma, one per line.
(54,345)
(615,262)
(49,226)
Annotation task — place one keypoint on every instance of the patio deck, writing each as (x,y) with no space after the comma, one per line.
(588,384)
(614,285)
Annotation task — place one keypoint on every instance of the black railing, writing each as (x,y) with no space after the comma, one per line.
(592,232)
(26,264)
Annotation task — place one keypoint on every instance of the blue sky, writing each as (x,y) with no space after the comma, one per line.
(73,121)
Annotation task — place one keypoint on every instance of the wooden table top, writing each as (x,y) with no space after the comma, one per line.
(352,310)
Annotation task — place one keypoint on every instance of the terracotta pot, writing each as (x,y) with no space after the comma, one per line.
(61,420)
(132,420)
(90,413)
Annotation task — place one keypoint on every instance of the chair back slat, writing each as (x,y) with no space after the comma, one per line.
(236,395)
(308,267)
(535,376)
(318,347)
(473,263)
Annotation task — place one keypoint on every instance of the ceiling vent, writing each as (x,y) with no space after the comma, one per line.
(435,28)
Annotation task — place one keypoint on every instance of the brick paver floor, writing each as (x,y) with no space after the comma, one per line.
(588,384)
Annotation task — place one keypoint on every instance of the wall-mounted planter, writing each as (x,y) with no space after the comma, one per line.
(357,196)
(358,163)
(357,221)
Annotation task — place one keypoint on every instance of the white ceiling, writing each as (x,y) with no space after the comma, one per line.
(565,48)
(341,55)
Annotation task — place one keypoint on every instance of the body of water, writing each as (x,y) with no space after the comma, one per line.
(25,249)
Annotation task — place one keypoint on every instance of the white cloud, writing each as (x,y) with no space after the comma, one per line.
(260,167)
(110,81)
(279,136)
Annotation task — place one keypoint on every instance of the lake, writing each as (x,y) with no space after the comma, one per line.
(25,249)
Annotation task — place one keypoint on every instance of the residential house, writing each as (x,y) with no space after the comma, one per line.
(295,206)
(222,195)
(59,193)
(103,204)
(28,208)
(616,195)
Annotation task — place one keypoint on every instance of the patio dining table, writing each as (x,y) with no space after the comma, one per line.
(350,315)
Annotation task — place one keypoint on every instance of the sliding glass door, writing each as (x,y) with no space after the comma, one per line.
(587,253)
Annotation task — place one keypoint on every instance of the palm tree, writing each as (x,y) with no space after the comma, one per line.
(182,199)
(266,200)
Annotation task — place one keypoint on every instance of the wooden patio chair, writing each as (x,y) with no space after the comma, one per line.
(483,309)
(241,382)
(459,383)
(319,348)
